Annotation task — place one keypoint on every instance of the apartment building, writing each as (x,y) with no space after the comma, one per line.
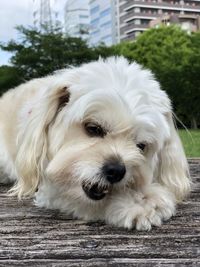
(103,19)
(188,22)
(136,16)
(77,18)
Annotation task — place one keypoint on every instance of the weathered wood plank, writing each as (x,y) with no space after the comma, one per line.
(115,262)
(30,236)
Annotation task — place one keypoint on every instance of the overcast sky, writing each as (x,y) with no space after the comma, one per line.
(13,13)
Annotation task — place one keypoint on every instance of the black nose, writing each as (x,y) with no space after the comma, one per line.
(114,171)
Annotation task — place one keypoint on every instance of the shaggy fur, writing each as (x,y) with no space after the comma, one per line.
(45,146)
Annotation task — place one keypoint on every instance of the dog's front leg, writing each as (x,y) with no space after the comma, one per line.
(141,209)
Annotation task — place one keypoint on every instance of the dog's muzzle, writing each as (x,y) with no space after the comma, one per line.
(113,172)
(95,192)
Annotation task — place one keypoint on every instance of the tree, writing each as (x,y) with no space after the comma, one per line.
(192,82)
(38,53)
(9,78)
(170,53)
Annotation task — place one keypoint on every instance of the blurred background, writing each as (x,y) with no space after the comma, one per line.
(38,37)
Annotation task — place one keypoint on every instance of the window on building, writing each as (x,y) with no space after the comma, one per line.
(94,10)
(137,21)
(105,12)
(137,10)
(145,22)
(106,25)
(83,16)
(107,39)
(94,22)
(95,33)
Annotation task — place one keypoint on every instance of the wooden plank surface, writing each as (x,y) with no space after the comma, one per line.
(30,236)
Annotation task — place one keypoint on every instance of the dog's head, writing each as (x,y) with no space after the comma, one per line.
(100,127)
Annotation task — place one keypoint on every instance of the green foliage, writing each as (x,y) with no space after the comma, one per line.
(104,51)
(191,82)
(174,57)
(9,78)
(191,142)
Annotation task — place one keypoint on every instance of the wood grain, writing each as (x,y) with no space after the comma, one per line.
(30,236)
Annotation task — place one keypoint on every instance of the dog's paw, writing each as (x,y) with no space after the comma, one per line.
(145,222)
(158,206)
(153,217)
(156,210)
(143,212)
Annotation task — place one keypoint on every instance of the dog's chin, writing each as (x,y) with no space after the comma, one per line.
(95,192)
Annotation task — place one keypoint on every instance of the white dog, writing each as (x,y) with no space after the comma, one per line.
(96,141)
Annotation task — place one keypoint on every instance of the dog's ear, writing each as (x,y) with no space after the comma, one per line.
(32,141)
(173,167)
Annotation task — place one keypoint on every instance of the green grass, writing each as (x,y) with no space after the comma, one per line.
(191,142)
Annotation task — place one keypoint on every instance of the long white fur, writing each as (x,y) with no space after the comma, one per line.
(45,148)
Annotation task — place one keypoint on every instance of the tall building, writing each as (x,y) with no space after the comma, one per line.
(45,13)
(135,15)
(103,28)
(77,19)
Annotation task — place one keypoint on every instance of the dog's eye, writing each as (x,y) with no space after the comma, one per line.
(141,146)
(93,130)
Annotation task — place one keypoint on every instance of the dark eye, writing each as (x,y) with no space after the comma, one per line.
(141,146)
(94,129)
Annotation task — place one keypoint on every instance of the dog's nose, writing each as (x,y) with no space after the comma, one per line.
(114,171)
